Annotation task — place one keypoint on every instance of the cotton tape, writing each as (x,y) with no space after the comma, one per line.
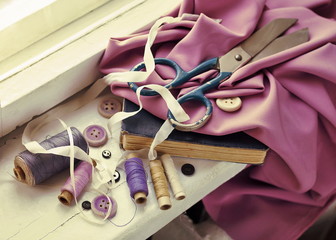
(114,124)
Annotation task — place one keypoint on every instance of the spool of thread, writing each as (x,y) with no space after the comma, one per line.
(160,184)
(173,177)
(136,178)
(33,169)
(82,176)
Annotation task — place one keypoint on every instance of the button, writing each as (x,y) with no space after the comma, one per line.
(100,206)
(116,176)
(95,135)
(229,104)
(86,205)
(106,154)
(188,169)
(108,107)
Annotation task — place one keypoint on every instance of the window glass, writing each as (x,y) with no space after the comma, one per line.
(25,22)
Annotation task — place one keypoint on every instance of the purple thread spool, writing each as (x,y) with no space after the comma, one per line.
(82,176)
(136,179)
(33,169)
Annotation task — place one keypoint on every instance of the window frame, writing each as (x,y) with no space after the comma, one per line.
(25,22)
(41,86)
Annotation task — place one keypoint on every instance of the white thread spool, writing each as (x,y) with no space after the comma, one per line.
(172,176)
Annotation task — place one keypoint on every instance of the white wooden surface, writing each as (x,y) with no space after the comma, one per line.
(35,213)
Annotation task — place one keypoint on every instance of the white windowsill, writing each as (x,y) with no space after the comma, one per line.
(24,22)
(72,67)
(58,39)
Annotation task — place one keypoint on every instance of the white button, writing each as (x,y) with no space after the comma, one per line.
(229,104)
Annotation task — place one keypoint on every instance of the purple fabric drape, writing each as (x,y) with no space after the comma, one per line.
(288,104)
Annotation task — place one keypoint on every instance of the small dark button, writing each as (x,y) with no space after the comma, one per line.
(116,176)
(86,205)
(188,169)
(106,154)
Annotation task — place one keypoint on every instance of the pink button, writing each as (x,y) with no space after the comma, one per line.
(100,206)
(95,135)
(108,107)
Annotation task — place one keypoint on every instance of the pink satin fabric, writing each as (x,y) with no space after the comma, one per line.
(288,104)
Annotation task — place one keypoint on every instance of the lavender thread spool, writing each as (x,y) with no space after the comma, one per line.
(33,169)
(136,178)
(82,175)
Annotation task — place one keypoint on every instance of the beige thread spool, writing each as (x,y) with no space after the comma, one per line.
(139,197)
(160,184)
(172,176)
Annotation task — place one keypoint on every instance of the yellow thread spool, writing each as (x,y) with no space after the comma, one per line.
(160,184)
(172,176)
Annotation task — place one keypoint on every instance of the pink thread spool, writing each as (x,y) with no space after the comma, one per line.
(82,176)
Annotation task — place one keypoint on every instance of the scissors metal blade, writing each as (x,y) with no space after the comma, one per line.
(265,35)
(282,43)
(244,52)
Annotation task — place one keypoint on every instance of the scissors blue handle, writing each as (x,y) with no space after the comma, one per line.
(195,95)
(264,42)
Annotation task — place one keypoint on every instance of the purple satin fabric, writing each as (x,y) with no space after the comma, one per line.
(288,104)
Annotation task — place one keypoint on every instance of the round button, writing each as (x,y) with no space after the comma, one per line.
(106,154)
(229,104)
(86,205)
(100,206)
(108,107)
(116,176)
(95,135)
(188,169)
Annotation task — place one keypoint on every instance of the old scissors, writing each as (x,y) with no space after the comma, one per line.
(262,43)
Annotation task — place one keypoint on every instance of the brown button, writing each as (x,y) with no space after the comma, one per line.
(108,107)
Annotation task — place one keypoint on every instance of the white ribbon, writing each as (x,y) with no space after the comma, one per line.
(72,151)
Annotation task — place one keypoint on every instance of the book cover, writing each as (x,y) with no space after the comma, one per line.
(138,132)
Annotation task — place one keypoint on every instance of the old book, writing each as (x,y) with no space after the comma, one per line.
(138,132)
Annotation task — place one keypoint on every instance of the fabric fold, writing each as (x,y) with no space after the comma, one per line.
(289,103)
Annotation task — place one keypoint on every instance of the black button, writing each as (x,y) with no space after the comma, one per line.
(106,154)
(86,205)
(188,169)
(116,176)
